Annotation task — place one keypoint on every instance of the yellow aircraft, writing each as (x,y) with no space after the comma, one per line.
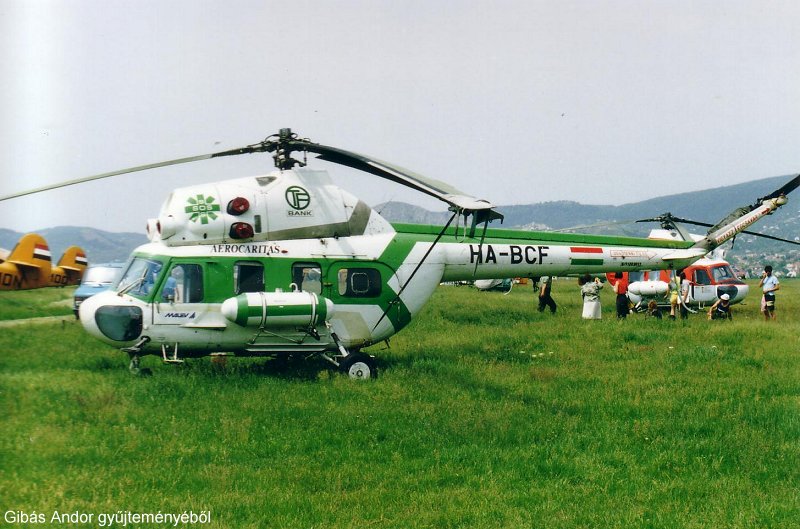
(28,265)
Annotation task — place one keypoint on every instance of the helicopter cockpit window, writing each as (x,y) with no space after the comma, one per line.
(248,276)
(722,273)
(139,278)
(307,277)
(359,282)
(701,277)
(184,284)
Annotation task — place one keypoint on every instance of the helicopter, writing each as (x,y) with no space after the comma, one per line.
(709,277)
(287,263)
(28,265)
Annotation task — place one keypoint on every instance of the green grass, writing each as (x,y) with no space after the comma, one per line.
(51,301)
(486,414)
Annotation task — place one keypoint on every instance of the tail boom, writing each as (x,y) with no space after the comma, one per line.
(726,232)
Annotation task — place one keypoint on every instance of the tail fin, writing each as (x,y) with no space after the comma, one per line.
(31,251)
(741,218)
(70,268)
(74,259)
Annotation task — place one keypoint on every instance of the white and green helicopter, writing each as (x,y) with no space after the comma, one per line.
(288,263)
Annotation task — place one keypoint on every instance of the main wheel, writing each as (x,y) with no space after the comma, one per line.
(359,366)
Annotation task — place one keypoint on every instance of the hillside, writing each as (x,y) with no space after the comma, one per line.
(707,205)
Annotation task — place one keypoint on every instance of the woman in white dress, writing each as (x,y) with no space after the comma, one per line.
(590,290)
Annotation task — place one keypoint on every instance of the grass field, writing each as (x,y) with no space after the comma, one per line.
(486,414)
(19,304)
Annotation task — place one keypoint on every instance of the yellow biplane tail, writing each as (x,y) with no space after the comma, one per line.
(27,265)
(70,267)
(31,251)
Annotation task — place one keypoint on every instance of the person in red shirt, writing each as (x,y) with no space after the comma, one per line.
(621,289)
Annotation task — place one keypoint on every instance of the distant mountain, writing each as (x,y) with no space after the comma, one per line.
(100,246)
(709,205)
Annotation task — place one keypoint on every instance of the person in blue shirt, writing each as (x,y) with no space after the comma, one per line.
(769,284)
(168,293)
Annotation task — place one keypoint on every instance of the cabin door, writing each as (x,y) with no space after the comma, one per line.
(181,298)
(702,291)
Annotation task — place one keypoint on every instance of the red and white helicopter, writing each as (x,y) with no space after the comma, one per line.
(709,277)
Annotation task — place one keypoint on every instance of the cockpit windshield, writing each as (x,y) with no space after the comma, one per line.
(723,274)
(140,277)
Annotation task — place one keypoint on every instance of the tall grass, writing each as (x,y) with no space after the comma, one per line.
(486,414)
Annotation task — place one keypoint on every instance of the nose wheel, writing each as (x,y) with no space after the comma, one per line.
(135,368)
(359,366)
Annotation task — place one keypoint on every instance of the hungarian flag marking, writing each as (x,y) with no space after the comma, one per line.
(583,261)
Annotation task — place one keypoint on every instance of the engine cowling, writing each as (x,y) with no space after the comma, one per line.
(277,309)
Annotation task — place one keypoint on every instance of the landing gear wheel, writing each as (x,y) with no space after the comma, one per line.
(359,366)
(136,370)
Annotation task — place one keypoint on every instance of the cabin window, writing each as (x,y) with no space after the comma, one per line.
(307,277)
(701,277)
(248,276)
(140,277)
(359,282)
(184,284)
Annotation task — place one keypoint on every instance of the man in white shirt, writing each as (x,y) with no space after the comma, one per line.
(769,284)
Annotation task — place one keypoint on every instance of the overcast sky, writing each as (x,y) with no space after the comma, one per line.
(515,101)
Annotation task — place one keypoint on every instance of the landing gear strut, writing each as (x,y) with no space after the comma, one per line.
(358,366)
(133,352)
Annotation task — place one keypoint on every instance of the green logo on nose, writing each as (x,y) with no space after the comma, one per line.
(202,208)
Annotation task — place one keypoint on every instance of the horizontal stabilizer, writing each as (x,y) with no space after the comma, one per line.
(24,264)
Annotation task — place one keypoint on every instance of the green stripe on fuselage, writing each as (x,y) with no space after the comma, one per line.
(585,262)
(503,236)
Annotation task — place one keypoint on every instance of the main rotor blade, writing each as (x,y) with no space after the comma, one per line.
(599,225)
(435,188)
(770,237)
(666,217)
(258,147)
(787,188)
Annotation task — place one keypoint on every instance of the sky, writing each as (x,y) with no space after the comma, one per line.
(514,101)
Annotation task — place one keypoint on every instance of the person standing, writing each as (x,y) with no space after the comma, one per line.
(545,300)
(674,294)
(684,295)
(769,284)
(590,290)
(621,290)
